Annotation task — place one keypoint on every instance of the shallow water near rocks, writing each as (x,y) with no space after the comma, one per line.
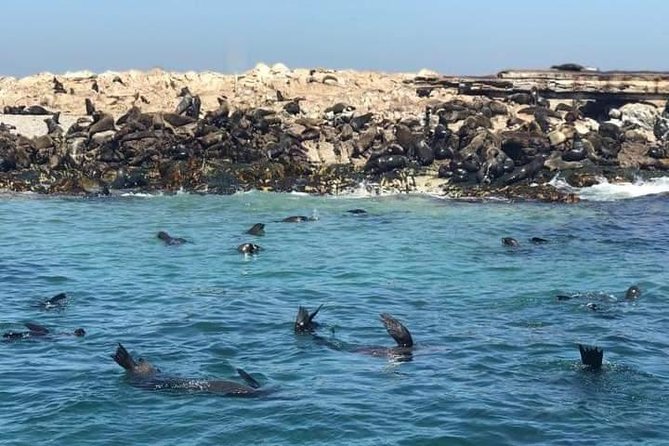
(496,360)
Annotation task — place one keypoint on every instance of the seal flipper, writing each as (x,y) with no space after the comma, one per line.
(398,331)
(36,329)
(313,315)
(249,379)
(123,358)
(591,356)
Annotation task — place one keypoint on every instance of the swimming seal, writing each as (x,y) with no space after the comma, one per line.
(510,241)
(249,248)
(304,322)
(402,352)
(297,219)
(144,375)
(57,301)
(356,211)
(169,240)
(38,331)
(257,229)
(591,356)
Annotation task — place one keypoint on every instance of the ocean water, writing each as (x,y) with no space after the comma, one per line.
(496,359)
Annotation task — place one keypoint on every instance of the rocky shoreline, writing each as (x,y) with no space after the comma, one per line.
(316,131)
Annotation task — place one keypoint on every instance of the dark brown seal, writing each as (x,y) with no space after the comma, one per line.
(143,374)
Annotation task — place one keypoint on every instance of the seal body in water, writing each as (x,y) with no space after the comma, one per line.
(297,219)
(249,248)
(257,229)
(401,352)
(304,322)
(169,240)
(38,331)
(591,356)
(143,374)
(510,242)
(57,301)
(357,211)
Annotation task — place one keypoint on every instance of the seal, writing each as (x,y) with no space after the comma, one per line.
(249,248)
(633,293)
(510,242)
(357,211)
(297,219)
(144,375)
(169,240)
(38,331)
(402,352)
(591,356)
(58,302)
(304,322)
(257,229)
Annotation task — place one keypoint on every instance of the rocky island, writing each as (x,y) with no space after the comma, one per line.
(329,131)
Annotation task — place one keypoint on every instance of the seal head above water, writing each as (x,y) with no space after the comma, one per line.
(249,248)
(510,242)
(633,293)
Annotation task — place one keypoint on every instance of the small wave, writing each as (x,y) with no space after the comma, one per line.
(605,191)
(141,194)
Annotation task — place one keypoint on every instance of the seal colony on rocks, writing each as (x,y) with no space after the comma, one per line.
(144,375)
(212,133)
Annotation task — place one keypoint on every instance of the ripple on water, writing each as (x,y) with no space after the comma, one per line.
(496,358)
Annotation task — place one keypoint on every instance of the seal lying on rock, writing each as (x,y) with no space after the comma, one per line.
(169,240)
(38,331)
(143,374)
(591,356)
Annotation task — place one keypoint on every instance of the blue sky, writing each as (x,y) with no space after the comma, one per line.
(457,37)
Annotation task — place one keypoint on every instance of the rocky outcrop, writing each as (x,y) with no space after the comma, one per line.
(319,131)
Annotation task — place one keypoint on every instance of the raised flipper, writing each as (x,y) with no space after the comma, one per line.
(249,379)
(398,331)
(313,315)
(36,329)
(591,356)
(123,358)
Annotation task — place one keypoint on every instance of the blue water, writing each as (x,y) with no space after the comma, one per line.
(496,360)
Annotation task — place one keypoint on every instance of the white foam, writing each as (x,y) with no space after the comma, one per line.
(605,191)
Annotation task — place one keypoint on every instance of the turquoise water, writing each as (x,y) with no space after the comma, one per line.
(496,360)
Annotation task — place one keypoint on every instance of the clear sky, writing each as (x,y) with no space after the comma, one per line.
(456,37)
